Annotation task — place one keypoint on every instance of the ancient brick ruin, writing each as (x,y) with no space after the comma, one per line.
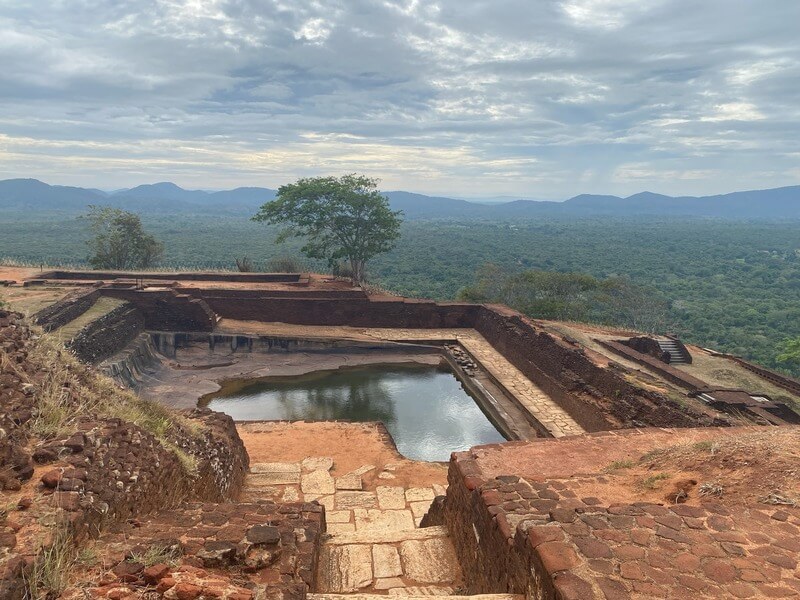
(621,479)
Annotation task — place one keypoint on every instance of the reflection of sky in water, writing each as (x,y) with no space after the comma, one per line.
(426,410)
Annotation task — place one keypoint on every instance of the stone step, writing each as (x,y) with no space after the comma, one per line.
(388,536)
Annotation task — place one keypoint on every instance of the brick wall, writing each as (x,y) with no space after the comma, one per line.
(67,309)
(107,335)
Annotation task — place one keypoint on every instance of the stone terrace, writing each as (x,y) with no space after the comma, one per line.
(583,539)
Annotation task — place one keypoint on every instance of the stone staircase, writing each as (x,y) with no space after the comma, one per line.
(676,354)
(374,544)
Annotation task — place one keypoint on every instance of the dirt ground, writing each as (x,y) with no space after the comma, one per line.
(739,466)
(350,445)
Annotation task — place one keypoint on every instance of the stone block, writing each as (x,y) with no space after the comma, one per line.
(317,482)
(429,561)
(386,562)
(391,497)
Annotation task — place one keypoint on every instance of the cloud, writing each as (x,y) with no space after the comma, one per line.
(513,97)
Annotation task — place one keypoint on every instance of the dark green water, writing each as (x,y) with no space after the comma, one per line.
(425,409)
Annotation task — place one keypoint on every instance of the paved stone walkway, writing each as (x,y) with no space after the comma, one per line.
(374,543)
(536,402)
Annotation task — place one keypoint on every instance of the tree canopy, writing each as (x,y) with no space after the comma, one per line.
(790,351)
(119,241)
(338,218)
(570,297)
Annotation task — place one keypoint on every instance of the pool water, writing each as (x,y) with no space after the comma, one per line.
(427,411)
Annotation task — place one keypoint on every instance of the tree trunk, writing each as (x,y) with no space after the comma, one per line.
(357,267)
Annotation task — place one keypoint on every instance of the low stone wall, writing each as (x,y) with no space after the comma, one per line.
(248,551)
(788,383)
(107,335)
(366,312)
(67,309)
(185,276)
(546,538)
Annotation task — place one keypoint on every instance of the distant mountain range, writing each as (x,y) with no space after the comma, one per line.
(32,196)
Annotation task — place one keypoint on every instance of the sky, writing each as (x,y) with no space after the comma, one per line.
(531,98)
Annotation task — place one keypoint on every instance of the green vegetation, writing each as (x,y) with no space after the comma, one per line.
(570,297)
(338,218)
(119,241)
(790,352)
(653,481)
(730,285)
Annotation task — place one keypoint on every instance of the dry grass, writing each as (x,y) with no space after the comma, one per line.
(66,391)
(101,307)
(51,569)
(761,463)
(157,553)
(725,373)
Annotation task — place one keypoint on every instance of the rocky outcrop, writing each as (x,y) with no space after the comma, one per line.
(16,402)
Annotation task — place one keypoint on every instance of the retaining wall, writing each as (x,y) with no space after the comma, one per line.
(108,334)
(167,310)
(364,312)
(72,306)
(185,276)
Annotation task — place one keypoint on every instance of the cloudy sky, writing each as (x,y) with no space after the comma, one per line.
(531,98)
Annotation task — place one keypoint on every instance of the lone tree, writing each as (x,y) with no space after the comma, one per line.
(340,218)
(120,242)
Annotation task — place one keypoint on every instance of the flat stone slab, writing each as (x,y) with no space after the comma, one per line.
(338,516)
(363,470)
(339,528)
(419,494)
(389,536)
(373,519)
(426,591)
(351,481)
(317,482)
(386,563)
(275,468)
(267,474)
(429,561)
(344,569)
(391,497)
(388,583)
(420,508)
(350,500)
(317,464)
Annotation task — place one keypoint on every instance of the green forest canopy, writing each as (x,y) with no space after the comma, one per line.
(730,285)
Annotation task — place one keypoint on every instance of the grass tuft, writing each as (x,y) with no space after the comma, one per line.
(620,464)
(653,482)
(157,554)
(50,573)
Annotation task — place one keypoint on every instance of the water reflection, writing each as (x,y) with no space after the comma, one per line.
(425,409)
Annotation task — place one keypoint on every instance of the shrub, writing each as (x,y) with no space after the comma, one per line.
(285,264)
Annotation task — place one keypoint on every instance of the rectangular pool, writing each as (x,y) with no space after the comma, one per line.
(426,409)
